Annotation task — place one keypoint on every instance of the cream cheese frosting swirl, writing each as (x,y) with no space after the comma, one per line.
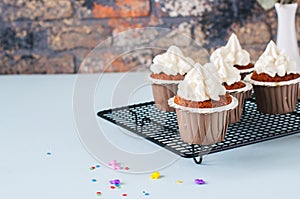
(227,72)
(274,61)
(201,83)
(232,53)
(172,62)
(227,56)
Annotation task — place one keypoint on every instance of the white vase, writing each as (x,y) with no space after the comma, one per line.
(286,31)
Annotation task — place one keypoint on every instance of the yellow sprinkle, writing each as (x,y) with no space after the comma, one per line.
(155,175)
(179,181)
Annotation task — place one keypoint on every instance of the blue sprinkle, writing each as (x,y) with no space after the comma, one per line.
(48,153)
(97,166)
(94,180)
(145,193)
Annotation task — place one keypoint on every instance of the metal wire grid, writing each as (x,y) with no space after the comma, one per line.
(161,127)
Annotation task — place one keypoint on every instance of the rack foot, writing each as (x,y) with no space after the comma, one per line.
(197,161)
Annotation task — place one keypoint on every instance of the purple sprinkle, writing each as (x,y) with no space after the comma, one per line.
(116,181)
(199,181)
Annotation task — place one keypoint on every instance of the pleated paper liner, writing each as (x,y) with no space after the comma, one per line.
(276,97)
(162,91)
(204,126)
(241,94)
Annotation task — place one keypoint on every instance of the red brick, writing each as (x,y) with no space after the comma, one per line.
(122,8)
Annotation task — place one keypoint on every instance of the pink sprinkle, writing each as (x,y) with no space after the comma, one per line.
(114,165)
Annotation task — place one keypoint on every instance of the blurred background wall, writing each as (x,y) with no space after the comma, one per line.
(54,36)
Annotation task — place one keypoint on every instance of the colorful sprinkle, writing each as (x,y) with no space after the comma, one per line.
(114,165)
(179,181)
(118,186)
(124,194)
(48,153)
(112,187)
(155,175)
(145,193)
(126,168)
(98,193)
(115,182)
(92,167)
(94,180)
(199,181)
(98,166)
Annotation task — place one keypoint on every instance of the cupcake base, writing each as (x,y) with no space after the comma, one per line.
(202,129)
(276,99)
(299,92)
(236,114)
(240,94)
(203,126)
(162,93)
(248,94)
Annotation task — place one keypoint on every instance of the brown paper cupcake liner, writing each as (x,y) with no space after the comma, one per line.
(241,94)
(204,126)
(276,99)
(235,114)
(162,93)
(203,129)
(248,94)
(299,92)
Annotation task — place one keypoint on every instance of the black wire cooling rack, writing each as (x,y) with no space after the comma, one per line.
(161,128)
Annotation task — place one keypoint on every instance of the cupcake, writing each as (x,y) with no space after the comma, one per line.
(234,55)
(168,69)
(202,106)
(231,79)
(275,80)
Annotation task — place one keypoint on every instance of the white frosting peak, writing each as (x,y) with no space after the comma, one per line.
(273,61)
(172,62)
(201,83)
(227,72)
(232,52)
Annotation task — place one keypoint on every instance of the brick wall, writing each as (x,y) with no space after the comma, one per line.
(55,36)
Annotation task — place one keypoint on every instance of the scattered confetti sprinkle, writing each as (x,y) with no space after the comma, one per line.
(98,193)
(199,181)
(112,187)
(115,182)
(179,181)
(94,180)
(114,165)
(145,193)
(118,186)
(124,194)
(155,175)
(126,168)
(92,167)
(48,153)
(98,166)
